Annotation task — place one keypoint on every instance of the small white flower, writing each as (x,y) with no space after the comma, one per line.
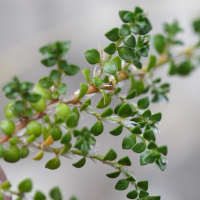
(129,124)
(94,151)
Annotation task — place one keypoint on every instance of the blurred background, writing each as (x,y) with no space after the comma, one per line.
(26,25)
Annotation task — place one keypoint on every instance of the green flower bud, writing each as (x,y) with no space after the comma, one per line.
(34,128)
(56,133)
(7,126)
(8,110)
(39,106)
(45,93)
(12,154)
(24,152)
(63,110)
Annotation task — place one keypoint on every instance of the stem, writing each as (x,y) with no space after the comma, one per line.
(92,89)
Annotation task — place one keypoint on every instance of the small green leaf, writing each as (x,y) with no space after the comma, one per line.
(129,17)
(72,120)
(19,107)
(196,26)
(129,41)
(136,130)
(92,56)
(139,147)
(106,79)
(143,185)
(85,104)
(84,149)
(118,107)
(83,90)
(39,196)
(54,75)
(149,135)
(122,13)
(33,98)
(161,163)
(125,111)
(117,131)
(134,28)
(66,138)
(117,90)
(143,103)
(5,185)
(97,81)
(56,133)
(152,145)
(128,141)
(117,62)
(53,163)
(113,34)
(124,30)
(156,117)
(126,53)
(130,179)
(55,193)
(24,152)
(97,128)
(185,68)
(80,163)
(69,70)
(143,194)
(26,85)
(66,148)
(105,101)
(114,174)
(122,184)
(147,157)
(108,112)
(86,72)
(172,68)
(110,49)
(162,149)
(111,155)
(45,82)
(152,62)
(110,68)
(144,51)
(139,87)
(131,95)
(49,62)
(144,30)
(62,88)
(132,194)
(159,43)
(25,185)
(146,113)
(125,161)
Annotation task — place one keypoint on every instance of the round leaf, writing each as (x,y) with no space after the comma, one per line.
(25,185)
(80,163)
(128,141)
(139,147)
(92,56)
(97,128)
(143,103)
(122,184)
(53,163)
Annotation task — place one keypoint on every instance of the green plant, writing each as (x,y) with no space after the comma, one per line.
(121,60)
